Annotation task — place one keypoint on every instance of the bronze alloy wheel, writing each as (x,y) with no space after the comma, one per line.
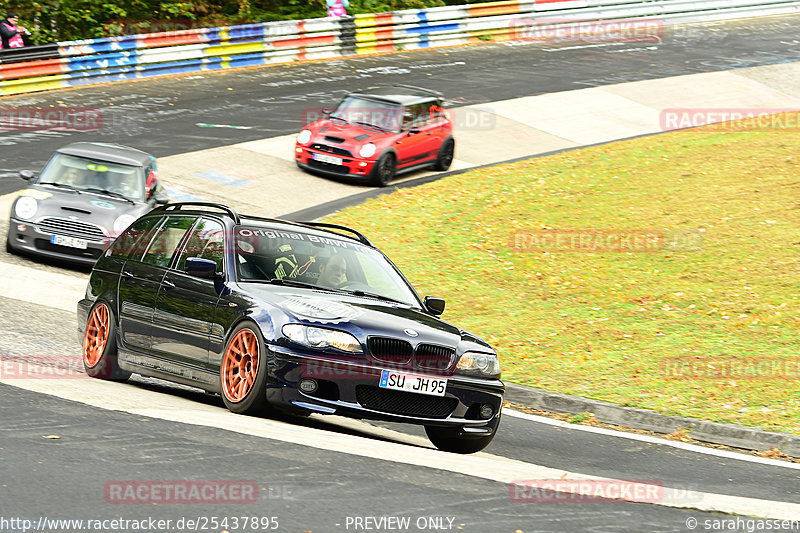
(240,365)
(95,339)
(243,371)
(100,346)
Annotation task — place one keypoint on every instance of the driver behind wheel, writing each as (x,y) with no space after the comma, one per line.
(333,272)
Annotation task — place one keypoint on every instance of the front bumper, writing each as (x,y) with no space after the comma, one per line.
(25,237)
(351,167)
(351,389)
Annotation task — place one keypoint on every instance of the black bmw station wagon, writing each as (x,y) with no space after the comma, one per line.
(299,317)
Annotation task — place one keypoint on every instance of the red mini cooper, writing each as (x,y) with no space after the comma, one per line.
(375,134)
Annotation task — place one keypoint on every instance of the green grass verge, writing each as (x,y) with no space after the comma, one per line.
(701,322)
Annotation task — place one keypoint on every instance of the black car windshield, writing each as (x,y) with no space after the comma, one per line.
(382,115)
(94,175)
(326,262)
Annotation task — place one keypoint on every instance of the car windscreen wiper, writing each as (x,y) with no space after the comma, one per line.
(64,185)
(337,117)
(110,193)
(295,283)
(369,125)
(376,296)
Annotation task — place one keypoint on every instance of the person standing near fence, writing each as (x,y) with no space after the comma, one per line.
(10,33)
(337,8)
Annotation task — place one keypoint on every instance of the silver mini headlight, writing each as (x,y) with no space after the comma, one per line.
(122,222)
(26,207)
(479,364)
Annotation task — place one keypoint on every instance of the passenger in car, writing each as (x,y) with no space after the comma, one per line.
(333,272)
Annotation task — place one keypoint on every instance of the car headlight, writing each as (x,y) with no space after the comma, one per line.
(368,150)
(25,207)
(479,364)
(122,223)
(321,338)
(304,137)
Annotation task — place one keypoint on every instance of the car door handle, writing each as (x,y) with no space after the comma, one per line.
(167,284)
(126,274)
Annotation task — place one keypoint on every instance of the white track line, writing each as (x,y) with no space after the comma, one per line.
(653,440)
(132,399)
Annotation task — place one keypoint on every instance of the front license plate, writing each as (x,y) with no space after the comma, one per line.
(412,383)
(327,159)
(72,242)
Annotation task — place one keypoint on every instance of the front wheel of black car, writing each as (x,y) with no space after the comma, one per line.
(384,170)
(446,151)
(450,439)
(243,371)
(100,346)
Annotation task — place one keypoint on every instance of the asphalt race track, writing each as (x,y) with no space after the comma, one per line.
(176,115)
(66,441)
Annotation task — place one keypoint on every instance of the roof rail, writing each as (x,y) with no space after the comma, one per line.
(178,205)
(358,236)
(266,219)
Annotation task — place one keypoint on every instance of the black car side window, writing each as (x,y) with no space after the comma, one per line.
(206,241)
(166,240)
(139,232)
(419,115)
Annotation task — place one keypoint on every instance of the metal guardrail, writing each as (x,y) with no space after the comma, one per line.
(76,63)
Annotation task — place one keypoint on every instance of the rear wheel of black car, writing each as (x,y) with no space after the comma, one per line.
(384,170)
(450,439)
(446,151)
(100,346)
(243,371)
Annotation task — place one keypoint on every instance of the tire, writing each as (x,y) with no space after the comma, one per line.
(449,440)
(243,371)
(100,345)
(446,151)
(384,170)
(9,249)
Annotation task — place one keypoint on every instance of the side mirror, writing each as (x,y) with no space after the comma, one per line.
(201,268)
(326,112)
(161,199)
(413,130)
(434,305)
(26,174)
